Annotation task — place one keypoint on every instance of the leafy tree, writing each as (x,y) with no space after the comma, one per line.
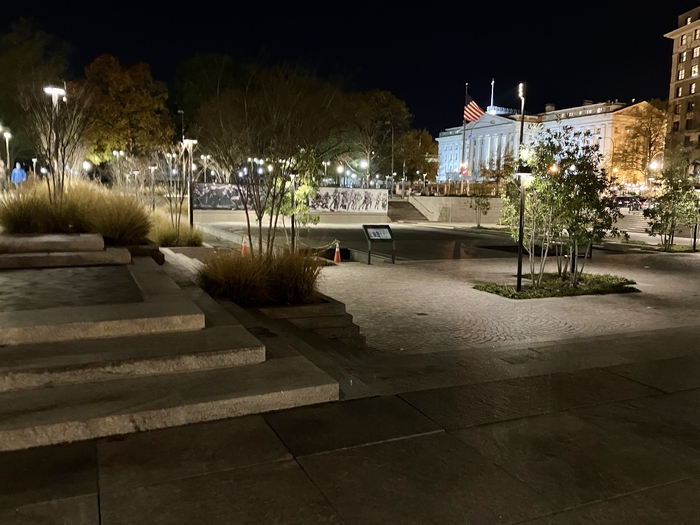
(204,76)
(498,173)
(644,139)
(480,200)
(372,117)
(132,114)
(416,151)
(675,203)
(568,204)
(29,58)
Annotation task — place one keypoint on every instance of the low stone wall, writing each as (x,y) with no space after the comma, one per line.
(211,216)
(456,209)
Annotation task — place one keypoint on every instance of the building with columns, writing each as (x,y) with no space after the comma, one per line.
(495,137)
(684,94)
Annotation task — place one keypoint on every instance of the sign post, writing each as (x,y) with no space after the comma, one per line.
(379,233)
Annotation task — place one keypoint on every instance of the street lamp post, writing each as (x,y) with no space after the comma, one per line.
(153,190)
(189,145)
(7,136)
(521,172)
(339,170)
(365,165)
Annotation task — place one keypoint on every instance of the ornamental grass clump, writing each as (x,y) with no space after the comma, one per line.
(84,207)
(269,281)
(165,234)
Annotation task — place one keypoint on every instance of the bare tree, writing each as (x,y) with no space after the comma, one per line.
(60,128)
(263,135)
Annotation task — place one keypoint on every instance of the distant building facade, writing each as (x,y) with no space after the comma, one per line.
(684,90)
(495,137)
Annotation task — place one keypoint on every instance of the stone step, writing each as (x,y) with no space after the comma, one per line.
(54,242)
(331,321)
(338,332)
(51,415)
(76,322)
(16,261)
(89,360)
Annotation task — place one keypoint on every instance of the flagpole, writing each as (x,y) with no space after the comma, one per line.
(464,138)
(493,81)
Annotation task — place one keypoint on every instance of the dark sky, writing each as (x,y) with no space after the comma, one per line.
(566,51)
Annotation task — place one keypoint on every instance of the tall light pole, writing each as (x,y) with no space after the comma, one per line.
(339,170)
(364,164)
(521,172)
(182,122)
(189,145)
(7,136)
(34,164)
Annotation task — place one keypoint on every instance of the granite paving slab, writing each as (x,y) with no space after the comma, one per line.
(669,375)
(309,430)
(273,493)
(574,460)
(53,287)
(43,474)
(680,406)
(427,479)
(80,510)
(152,457)
(476,404)
(673,504)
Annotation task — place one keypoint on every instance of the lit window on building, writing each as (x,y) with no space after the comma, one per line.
(694,70)
(679,91)
(681,74)
(696,35)
(677,109)
(691,107)
(688,20)
(684,39)
(693,87)
(683,56)
(696,52)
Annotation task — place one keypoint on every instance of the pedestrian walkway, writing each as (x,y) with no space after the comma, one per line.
(466,408)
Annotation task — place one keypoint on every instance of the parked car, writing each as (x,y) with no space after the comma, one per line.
(627,201)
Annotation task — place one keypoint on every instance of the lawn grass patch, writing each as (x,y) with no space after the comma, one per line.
(553,286)
(269,281)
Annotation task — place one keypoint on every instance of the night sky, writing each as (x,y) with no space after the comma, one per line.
(566,51)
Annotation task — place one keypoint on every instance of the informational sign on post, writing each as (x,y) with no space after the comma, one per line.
(379,233)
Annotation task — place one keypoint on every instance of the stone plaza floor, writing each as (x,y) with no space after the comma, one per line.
(465,408)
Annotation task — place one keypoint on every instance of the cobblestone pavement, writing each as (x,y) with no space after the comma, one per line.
(52,287)
(423,307)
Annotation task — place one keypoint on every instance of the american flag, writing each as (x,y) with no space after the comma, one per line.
(472,111)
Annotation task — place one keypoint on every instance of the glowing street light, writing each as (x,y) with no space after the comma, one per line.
(7,136)
(55,93)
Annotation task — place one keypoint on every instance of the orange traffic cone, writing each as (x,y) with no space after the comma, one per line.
(244,246)
(336,257)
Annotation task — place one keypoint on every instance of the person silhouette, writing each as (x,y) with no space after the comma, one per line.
(18,175)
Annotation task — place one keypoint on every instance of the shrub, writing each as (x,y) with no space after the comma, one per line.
(553,286)
(279,280)
(164,233)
